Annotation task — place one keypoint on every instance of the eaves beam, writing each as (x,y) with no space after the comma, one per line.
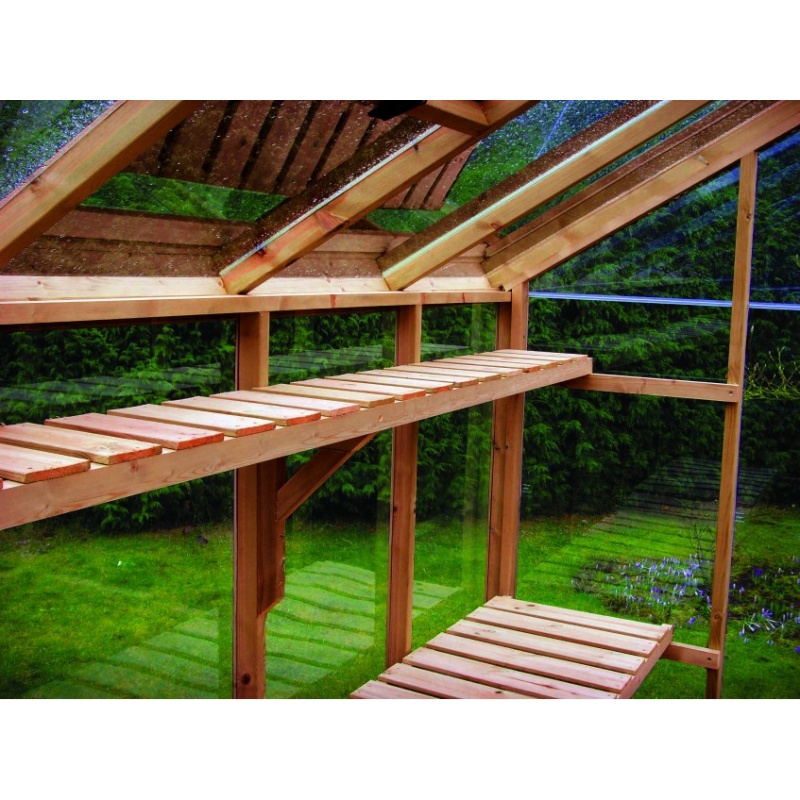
(109,144)
(540,181)
(592,215)
(346,195)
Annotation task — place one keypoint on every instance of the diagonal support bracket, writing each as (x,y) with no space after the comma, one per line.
(315,472)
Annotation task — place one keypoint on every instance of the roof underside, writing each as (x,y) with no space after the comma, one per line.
(242,191)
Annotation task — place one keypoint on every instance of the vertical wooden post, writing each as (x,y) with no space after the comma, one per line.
(506,476)
(733,417)
(258,537)
(405,438)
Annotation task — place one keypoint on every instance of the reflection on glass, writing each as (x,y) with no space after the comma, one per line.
(452,484)
(131,598)
(452,511)
(32,131)
(328,635)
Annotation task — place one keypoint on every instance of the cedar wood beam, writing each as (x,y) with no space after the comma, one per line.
(350,198)
(658,387)
(545,178)
(258,537)
(726,512)
(109,144)
(508,422)
(402,520)
(694,160)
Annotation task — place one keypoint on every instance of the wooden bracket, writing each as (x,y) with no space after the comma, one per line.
(315,472)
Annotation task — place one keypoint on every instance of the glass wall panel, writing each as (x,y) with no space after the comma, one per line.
(620,492)
(452,484)
(652,299)
(131,598)
(619,513)
(764,638)
(328,636)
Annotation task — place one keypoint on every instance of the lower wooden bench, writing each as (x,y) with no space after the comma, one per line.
(512,649)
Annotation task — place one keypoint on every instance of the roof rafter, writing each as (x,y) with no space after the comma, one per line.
(348,194)
(591,215)
(111,142)
(543,179)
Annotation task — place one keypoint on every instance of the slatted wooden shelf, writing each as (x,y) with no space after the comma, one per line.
(76,462)
(512,649)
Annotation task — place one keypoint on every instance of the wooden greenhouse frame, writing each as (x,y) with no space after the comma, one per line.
(310,254)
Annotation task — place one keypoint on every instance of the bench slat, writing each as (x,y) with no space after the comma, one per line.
(173,437)
(225,423)
(342,395)
(328,408)
(282,415)
(395,392)
(499,677)
(24,465)
(628,627)
(78,444)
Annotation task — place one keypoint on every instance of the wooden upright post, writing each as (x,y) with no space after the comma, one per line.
(405,438)
(733,418)
(506,477)
(258,534)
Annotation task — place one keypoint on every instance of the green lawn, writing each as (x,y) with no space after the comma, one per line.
(83,614)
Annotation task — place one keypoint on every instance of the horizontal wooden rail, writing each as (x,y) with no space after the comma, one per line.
(659,387)
(694,655)
(27,502)
(19,313)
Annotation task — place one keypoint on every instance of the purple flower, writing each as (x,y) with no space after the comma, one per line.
(692,620)
(758,571)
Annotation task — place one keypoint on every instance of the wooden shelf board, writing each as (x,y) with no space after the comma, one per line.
(225,447)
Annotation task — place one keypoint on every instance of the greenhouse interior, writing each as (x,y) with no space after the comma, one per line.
(333,399)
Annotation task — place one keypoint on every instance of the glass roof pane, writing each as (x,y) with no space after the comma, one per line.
(32,131)
(620,162)
(518,143)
